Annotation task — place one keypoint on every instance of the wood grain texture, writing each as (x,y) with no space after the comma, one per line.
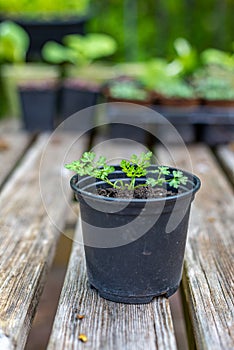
(225,154)
(12,147)
(28,237)
(10,125)
(116,149)
(106,324)
(208,278)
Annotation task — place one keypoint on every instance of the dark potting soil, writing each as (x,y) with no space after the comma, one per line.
(138,193)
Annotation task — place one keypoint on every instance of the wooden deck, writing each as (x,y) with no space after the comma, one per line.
(28,241)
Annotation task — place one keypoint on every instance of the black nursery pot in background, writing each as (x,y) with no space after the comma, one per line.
(133,251)
(76,96)
(118,130)
(74,100)
(40,31)
(38,108)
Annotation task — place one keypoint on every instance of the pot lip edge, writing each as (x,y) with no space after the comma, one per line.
(191,192)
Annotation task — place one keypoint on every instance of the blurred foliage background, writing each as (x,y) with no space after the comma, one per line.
(148,28)
(142,28)
(166,44)
(46,8)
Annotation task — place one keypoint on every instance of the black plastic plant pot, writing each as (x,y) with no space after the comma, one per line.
(134,249)
(40,31)
(38,109)
(74,100)
(117,130)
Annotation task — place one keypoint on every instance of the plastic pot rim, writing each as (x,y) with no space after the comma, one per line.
(193,179)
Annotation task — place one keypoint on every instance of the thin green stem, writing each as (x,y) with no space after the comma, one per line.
(132,183)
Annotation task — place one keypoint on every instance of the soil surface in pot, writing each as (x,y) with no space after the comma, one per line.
(138,193)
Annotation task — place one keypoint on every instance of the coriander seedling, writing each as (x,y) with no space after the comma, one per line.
(136,167)
(87,165)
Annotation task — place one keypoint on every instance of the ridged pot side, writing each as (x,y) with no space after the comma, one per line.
(133,252)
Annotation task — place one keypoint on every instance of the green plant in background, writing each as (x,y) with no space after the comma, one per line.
(79,56)
(127,90)
(43,9)
(136,167)
(215,88)
(91,47)
(186,59)
(155,72)
(215,81)
(160,77)
(79,50)
(14,42)
(158,24)
(219,58)
(175,89)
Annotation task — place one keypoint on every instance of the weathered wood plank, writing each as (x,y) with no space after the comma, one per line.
(208,278)
(28,237)
(116,149)
(107,325)
(12,147)
(226,156)
(10,125)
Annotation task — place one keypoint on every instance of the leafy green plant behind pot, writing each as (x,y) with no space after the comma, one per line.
(56,53)
(14,42)
(186,59)
(93,46)
(79,50)
(127,90)
(213,88)
(155,71)
(214,83)
(21,74)
(175,89)
(219,58)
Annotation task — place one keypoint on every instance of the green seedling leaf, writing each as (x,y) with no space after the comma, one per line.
(91,46)
(164,170)
(56,53)
(136,167)
(182,47)
(87,165)
(178,178)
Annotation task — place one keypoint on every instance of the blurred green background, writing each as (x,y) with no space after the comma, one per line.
(145,28)
(142,28)
(159,42)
